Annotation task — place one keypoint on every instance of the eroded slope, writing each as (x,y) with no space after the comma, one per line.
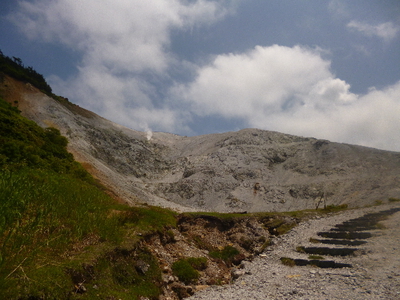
(248,170)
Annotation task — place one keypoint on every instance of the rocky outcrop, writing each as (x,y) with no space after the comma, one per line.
(249,170)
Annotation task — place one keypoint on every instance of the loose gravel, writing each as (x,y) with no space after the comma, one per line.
(375,273)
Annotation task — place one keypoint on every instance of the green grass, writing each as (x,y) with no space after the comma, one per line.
(226,254)
(314,240)
(60,230)
(148,219)
(394,200)
(185,271)
(288,261)
(45,215)
(300,249)
(199,263)
(52,223)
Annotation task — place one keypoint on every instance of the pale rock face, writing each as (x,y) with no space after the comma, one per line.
(250,170)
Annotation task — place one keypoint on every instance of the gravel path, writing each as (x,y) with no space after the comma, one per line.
(375,273)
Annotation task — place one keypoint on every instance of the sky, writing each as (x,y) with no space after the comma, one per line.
(323,69)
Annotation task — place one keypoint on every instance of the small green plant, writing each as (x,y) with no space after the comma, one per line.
(300,249)
(226,254)
(288,261)
(313,240)
(149,218)
(394,199)
(317,257)
(378,202)
(380,226)
(185,271)
(199,263)
(335,208)
(266,243)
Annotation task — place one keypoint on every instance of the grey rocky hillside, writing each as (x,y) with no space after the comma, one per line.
(249,170)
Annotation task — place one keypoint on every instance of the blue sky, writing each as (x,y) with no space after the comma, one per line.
(324,69)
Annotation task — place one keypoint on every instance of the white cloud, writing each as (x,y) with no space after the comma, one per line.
(128,35)
(339,8)
(122,42)
(292,90)
(387,31)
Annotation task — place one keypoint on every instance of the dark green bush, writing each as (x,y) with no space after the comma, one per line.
(226,254)
(185,271)
(199,263)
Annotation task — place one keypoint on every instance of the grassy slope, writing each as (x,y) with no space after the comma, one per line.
(55,221)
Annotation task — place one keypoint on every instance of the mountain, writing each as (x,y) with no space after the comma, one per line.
(250,170)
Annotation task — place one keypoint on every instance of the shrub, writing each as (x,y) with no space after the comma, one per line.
(185,271)
(199,263)
(226,254)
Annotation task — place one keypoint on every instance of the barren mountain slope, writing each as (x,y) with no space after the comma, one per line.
(248,170)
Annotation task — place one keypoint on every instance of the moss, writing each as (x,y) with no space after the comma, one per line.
(317,257)
(266,243)
(185,271)
(300,249)
(288,261)
(394,200)
(149,218)
(199,263)
(335,208)
(226,254)
(315,241)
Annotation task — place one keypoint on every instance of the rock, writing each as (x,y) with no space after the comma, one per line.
(236,273)
(141,266)
(80,288)
(201,287)
(181,290)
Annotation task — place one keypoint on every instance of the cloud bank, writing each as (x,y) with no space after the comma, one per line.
(387,31)
(125,73)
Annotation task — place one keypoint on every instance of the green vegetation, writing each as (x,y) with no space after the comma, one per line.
(148,219)
(394,200)
(187,270)
(288,261)
(226,254)
(315,241)
(335,208)
(16,69)
(316,257)
(300,249)
(199,263)
(25,144)
(61,235)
